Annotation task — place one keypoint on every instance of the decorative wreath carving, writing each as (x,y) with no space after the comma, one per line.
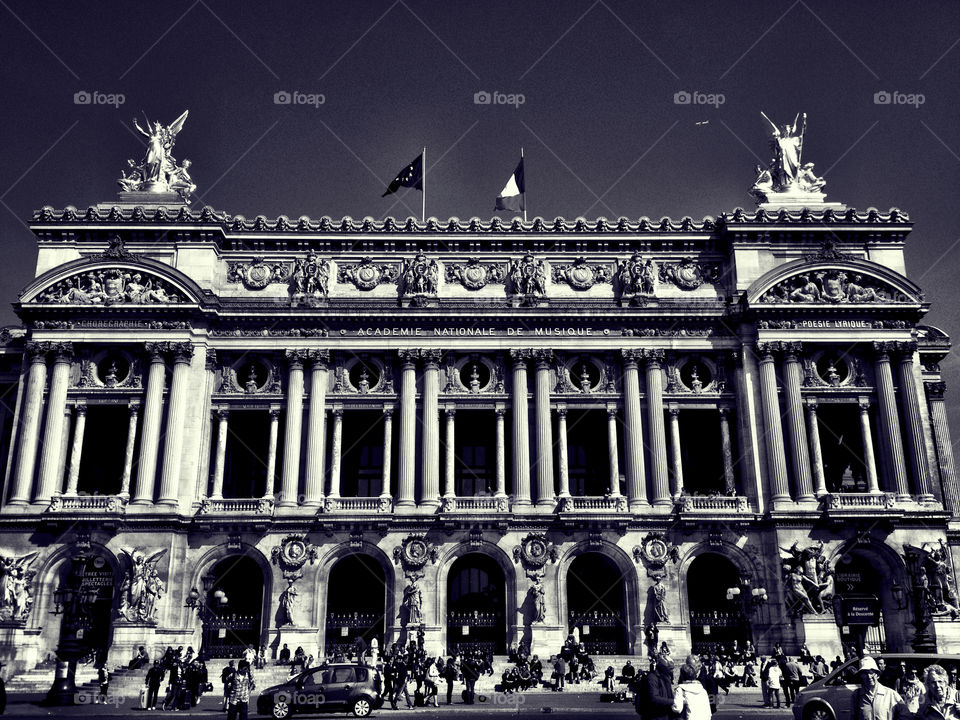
(414,552)
(292,554)
(534,551)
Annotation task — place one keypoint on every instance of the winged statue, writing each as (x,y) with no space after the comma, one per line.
(159,172)
(142,587)
(16,586)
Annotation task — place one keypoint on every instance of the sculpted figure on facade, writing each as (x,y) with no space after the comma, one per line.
(808,579)
(831,287)
(528,278)
(688,274)
(474,275)
(142,587)
(658,601)
(420,276)
(16,586)
(310,279)
(256,274)
(411,608)
(637,276)
(538,597)
(158,171)
(932,577)
(289,603)
(787,174)
(110,287)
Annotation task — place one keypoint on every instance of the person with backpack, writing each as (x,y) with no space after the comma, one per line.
(103,680)
(690,700)
(656,696)
(471,673)
(225,676)
(450,674)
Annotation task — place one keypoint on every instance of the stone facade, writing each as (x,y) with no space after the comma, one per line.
(151,334)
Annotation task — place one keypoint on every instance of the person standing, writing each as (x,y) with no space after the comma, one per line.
(103,680)
(559,673)
(773,683)
(656,696)
(152,681)
(432,684)
(873,700)
(241,685)
(450,673)
(792,675)
(471,672)
(940,702)
(690,700)
(225,675)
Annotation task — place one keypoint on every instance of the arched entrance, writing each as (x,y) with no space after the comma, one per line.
(356,604)
(715,620)
(865,605)
(96,630)
(597,604)
(230,627)
(476,600)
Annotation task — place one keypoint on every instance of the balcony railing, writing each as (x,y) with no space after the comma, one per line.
(358,504)
(480,503)
(225,506)
(713,504)
(593,503)
(858,501)
(88,503)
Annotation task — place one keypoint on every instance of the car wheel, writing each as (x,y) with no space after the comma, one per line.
(361,707)
(817,712)
(281,709)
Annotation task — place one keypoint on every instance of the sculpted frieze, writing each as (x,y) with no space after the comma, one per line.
(113,286)
(833,287)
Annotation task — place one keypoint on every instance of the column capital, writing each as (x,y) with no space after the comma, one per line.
(62,351)
(812,404)
(80,408)
(222,413)
(882,350)
(520,357)
(431,357)
(37,352)
(935,390)
(611,410)
(450,410)
(766,350)
(791,350)
(724,410)
(674,411)
(408,357)
(653,356)
(388,411)
(133,408)
(544,358)
(864,404)
(274,413)
(182,352)
(319,358)
(905,350)
(562,410)
(295,358)
(630,356)
(211,362)
(157,351)
(500,410)
(338,412)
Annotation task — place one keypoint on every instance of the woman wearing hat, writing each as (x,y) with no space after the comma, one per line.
(873,700)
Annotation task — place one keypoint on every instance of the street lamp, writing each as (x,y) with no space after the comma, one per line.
(205,612)
(752,597)
(73,600)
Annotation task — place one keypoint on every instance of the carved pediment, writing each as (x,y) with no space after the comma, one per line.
(855,282)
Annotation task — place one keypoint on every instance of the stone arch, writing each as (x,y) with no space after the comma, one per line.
(322,577)
(740,560)
(907,292)
(633,602)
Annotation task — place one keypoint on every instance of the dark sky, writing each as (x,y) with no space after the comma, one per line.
(599,125)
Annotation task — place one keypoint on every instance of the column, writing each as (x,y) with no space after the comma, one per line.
(176,420)
(910,403)
(796,429)
(290,486)
(726,446)
(944,445)
(270,487)
(633,431)
(430,448)
(613,453)
(658,440)
(562,452)
(521,430)
(387,452)
(406,471)
(813,430)
(316,427)
(48,481)
(873,486)
(134,412)
(448,479)
(62,459)
(895,468)
(546,495)
(776,459)
(223,416)
(76,452)
(501,452)
(30,423)
(152,418)
(335,455)
(676,456)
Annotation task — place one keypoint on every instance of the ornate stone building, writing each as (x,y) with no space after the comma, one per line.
(305,431)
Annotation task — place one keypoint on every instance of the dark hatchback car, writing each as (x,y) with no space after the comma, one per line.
(340,687)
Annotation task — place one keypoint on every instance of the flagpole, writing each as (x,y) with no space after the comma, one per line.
(524,187)
(423,200)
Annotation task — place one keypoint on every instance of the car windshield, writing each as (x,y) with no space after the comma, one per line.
(344,675)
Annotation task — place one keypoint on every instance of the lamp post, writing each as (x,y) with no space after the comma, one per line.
(74,601)
(206,612)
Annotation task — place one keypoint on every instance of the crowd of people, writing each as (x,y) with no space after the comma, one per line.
(185,674)
(406,668)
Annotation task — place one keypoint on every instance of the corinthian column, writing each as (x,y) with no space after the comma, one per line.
(316,427)
(76,452)
(336,455)
(176,420)
(873,486)
(896,469)
(633,431)
(910,402)
(776,460)
(290,485)
(501,411)
(32,410)
(676,455)
(521,430)
(563,458)
(813,429)
(613,450)
(152,418)
(270,486)
(134,413)
(726,447)
(544,463)
(407,470)
(53,433)
(387,452)
(799,454)
(449,490)
(430,450)
(658,440)
(944,445)
(223,417)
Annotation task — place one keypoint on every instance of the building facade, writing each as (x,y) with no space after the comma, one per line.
(307,431)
